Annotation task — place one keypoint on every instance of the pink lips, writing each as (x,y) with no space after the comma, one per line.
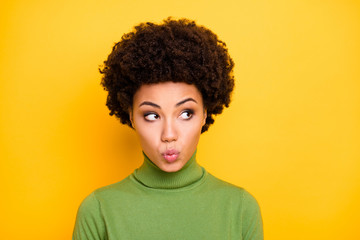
(170,155)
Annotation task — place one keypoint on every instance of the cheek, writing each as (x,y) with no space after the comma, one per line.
(148,136)
(192,133)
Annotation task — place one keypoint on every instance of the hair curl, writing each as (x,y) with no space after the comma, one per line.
(175,50)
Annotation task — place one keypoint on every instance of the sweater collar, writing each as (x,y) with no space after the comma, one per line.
(152,176)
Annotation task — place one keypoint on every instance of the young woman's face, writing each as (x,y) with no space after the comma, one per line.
(168,118)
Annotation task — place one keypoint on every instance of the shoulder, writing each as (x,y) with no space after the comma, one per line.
(92,203)
(89,219)
(110,190)
(89,205)
(245,207)
(95,199)
(236,191)
(240,198)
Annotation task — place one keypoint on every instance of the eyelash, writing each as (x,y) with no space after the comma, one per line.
(149,113)
(189,111)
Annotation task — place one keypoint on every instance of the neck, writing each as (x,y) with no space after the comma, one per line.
(152,176)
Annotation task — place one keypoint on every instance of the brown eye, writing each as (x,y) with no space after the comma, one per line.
(151,116)
(186,114)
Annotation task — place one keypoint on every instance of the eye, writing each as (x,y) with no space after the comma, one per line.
(151,116)
(186,115)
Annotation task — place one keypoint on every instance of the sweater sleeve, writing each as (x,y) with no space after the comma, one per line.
(89,223)
(252,226)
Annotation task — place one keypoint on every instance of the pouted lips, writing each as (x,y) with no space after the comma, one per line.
(171,155)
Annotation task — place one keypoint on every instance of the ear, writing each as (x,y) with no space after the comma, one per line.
(205,116)
(131,118)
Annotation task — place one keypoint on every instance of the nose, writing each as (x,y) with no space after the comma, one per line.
(169,132)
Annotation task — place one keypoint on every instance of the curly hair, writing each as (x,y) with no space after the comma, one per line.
(175,50)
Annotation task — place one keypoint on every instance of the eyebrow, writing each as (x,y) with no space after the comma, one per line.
(150,104)
(176,105)
(184,101)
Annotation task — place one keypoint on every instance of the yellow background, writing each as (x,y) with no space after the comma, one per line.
(290,136)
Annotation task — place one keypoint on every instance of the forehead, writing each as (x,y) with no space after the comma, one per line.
(167,92)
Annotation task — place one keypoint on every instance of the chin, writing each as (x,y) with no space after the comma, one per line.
(171,168)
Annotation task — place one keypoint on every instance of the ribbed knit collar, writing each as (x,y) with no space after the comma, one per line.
(152,176)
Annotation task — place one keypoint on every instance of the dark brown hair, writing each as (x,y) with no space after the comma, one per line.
(175,50)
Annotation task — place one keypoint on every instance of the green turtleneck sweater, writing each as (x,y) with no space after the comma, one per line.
(153,204)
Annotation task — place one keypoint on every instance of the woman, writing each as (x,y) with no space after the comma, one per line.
(167,81)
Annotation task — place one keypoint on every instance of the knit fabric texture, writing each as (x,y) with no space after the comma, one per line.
(153,204)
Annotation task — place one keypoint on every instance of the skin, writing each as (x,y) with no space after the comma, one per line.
(168,116)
